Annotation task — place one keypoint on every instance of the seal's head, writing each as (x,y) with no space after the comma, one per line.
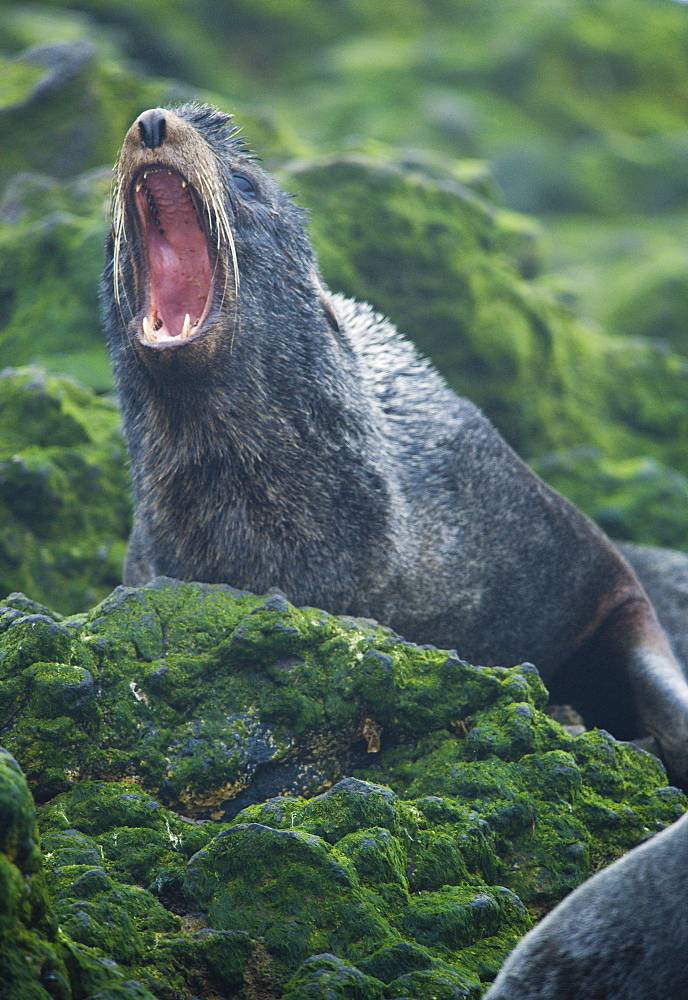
(198,229)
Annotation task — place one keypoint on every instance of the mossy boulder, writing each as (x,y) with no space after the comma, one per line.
(64,506)
(244,796)
(66,108)
(31,962)
(434,255)
(224,689)
(51,253)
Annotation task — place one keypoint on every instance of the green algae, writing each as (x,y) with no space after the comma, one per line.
(472,811)
(219,687)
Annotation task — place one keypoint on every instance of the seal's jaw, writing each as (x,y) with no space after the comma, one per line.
(176,283)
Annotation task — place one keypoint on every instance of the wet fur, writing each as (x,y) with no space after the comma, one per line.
(302,443)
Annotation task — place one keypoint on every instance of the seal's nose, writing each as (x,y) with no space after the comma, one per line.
(152,128)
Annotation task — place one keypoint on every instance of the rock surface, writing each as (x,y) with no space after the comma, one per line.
(243,798)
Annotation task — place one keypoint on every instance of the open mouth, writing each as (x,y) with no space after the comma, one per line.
(179,270)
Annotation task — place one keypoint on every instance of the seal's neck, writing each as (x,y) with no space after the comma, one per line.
(258,414)
(256,478)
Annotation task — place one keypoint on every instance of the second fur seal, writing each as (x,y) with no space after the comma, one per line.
(280,436)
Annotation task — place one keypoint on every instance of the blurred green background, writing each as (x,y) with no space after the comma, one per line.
(507,181)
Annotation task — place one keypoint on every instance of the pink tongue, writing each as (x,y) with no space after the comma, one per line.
(178,264)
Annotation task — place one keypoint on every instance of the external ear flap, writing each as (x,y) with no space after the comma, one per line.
(325,302)
(330,314)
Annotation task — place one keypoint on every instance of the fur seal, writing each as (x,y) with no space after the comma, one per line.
(282,436)
(622,935)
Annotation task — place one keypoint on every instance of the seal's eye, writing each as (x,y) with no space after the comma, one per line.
(244,185)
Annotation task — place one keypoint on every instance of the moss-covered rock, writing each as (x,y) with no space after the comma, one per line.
(31,963)
(38,960)
(451,809)
(234,697)
(64,507)
(435,256)
(51,252)
(66,108)
(574,103)
(327,975)
(656,304)
(113,857)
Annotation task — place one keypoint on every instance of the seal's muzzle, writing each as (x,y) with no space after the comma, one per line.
(169,208)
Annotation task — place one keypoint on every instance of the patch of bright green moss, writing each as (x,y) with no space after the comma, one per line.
(51,254)
(32,960)
(112,854)
(196,690)
(327,975)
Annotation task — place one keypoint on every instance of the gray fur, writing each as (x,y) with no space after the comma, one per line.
(622,935)
(298,441)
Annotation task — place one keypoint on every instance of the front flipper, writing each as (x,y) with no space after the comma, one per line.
(634,637)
